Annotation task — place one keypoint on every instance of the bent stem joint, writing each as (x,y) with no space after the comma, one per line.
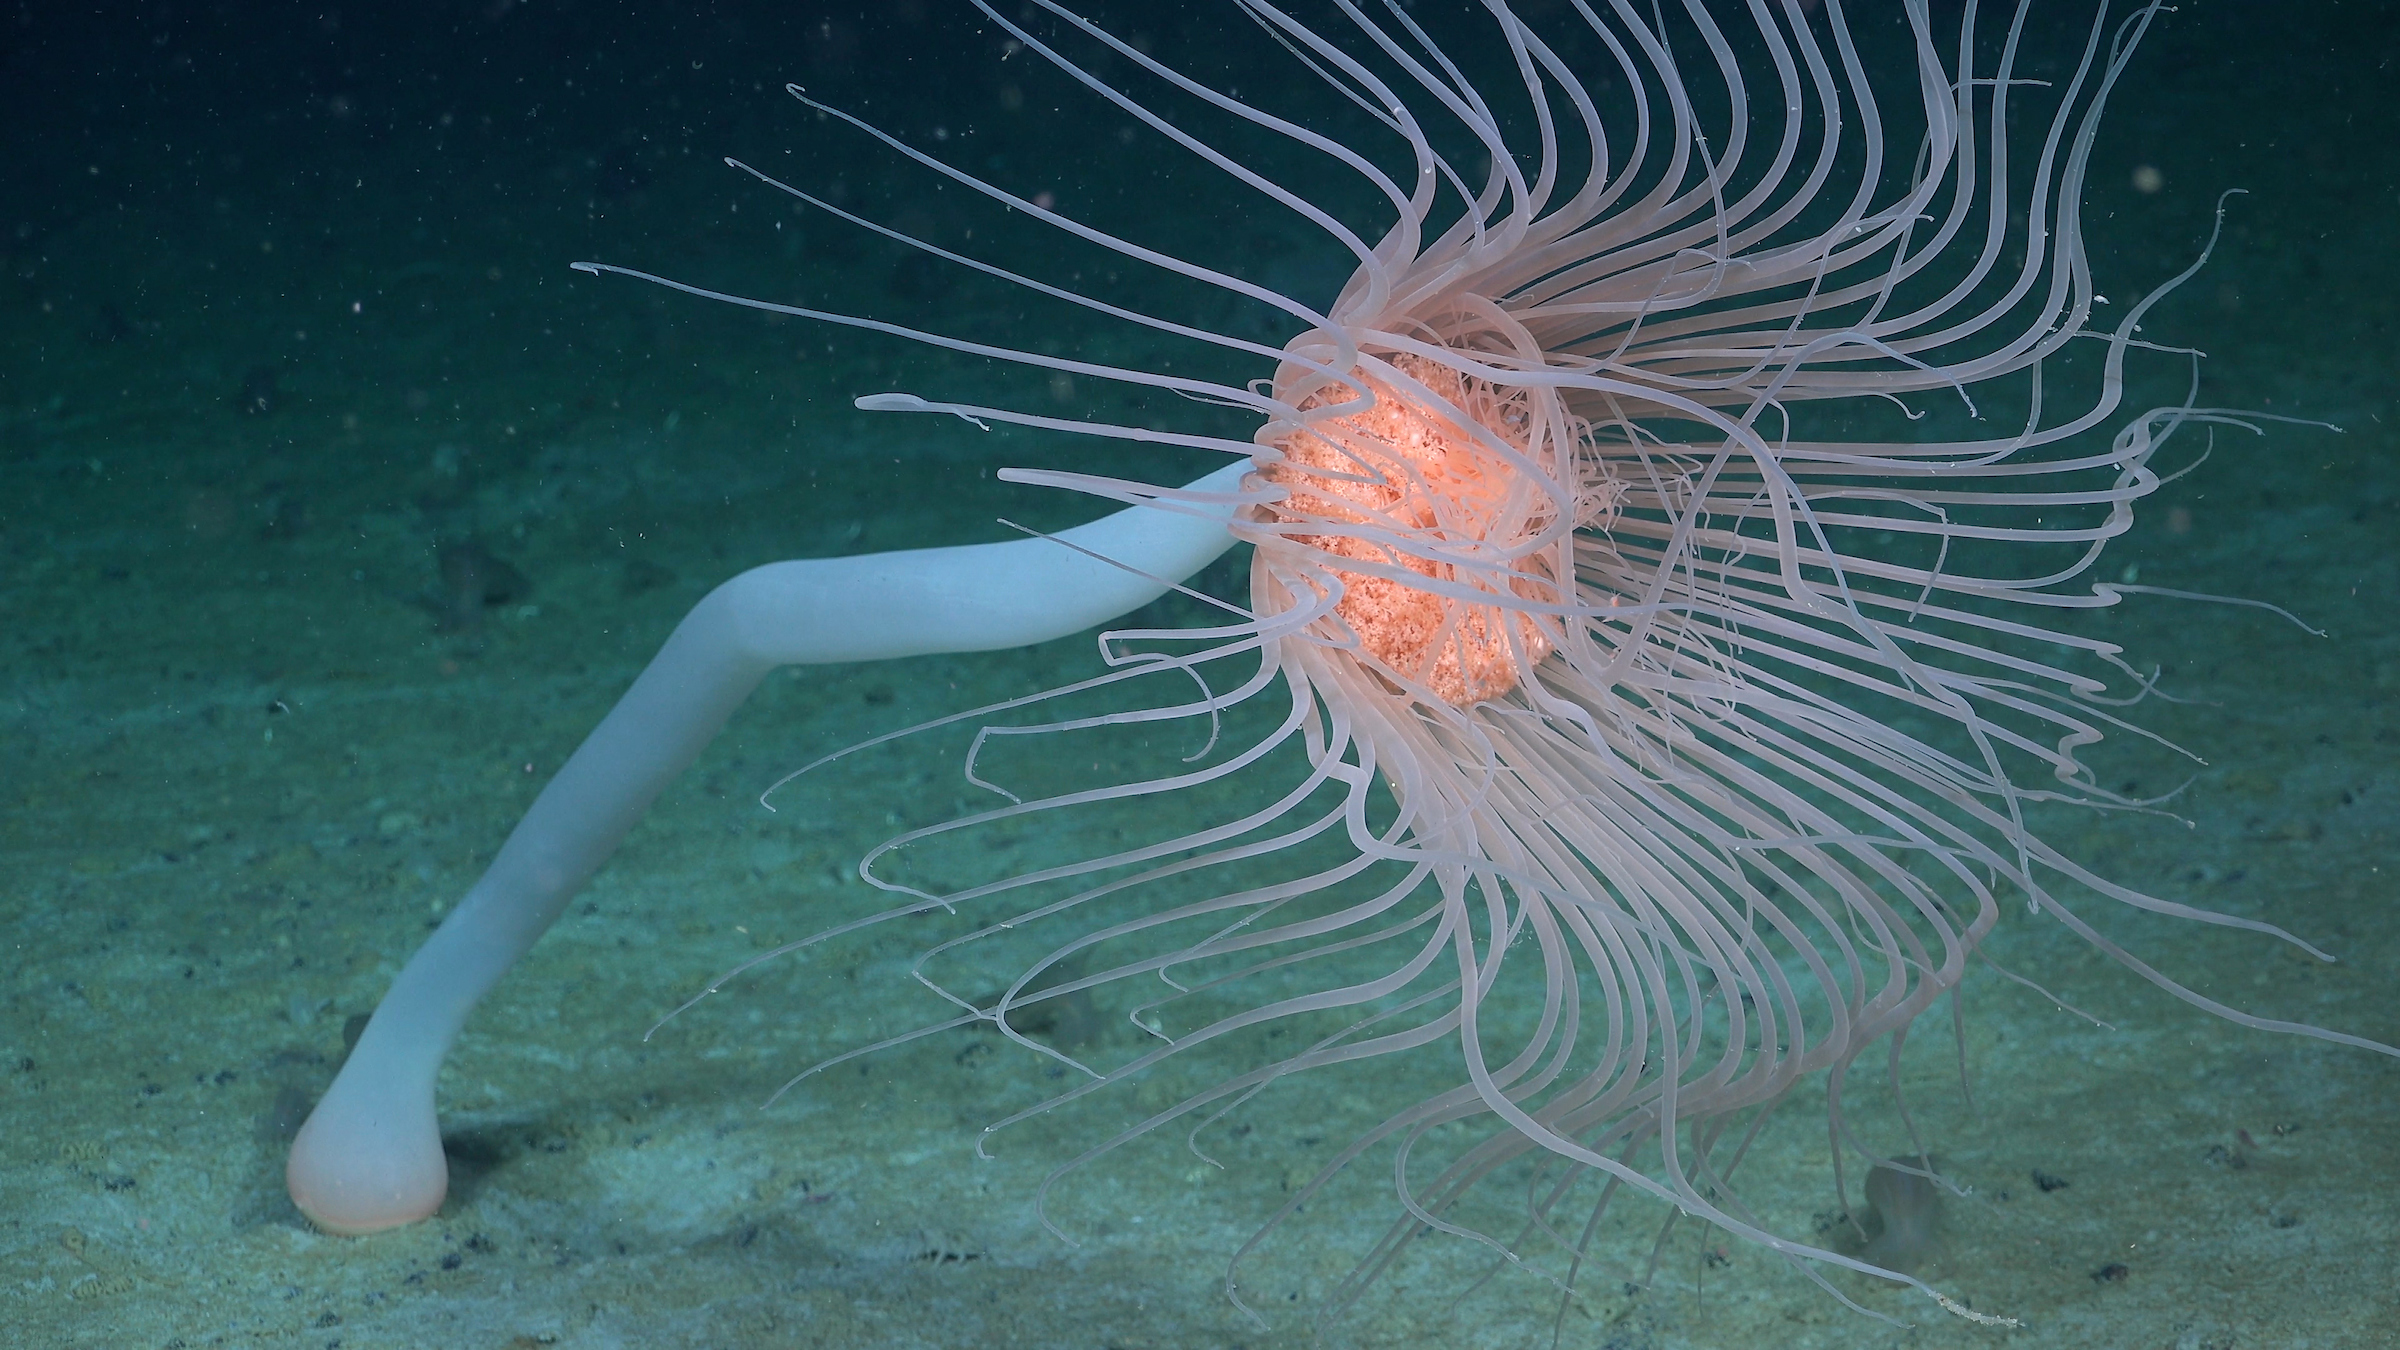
(369,1156)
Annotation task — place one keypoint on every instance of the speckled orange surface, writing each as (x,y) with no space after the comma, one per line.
(1418,486)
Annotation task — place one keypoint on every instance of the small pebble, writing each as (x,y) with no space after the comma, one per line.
(1903,1211)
